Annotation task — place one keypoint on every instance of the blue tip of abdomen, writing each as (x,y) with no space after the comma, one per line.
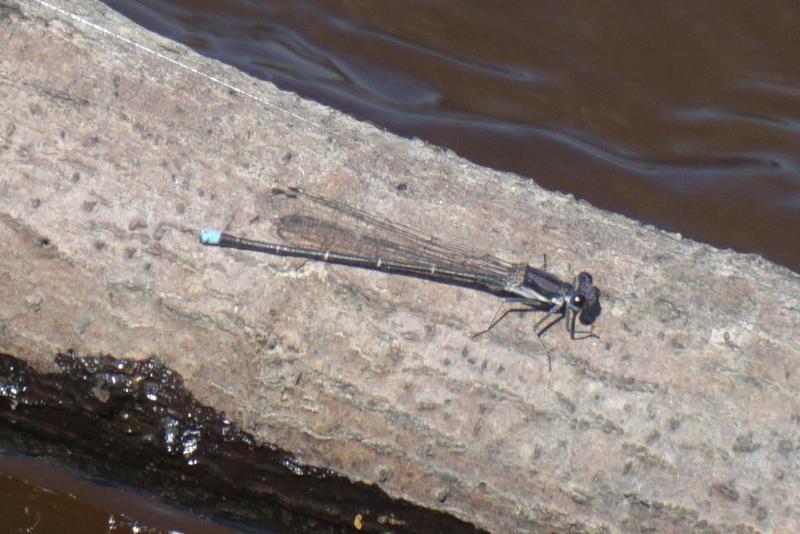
(210,237)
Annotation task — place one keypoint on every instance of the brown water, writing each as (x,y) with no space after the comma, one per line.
(38,496)
(681,114)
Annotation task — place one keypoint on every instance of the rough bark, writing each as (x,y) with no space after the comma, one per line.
(683,415)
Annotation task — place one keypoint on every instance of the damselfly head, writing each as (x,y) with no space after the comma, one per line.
(586,299)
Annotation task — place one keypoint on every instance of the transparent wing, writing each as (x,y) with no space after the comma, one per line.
(302,219)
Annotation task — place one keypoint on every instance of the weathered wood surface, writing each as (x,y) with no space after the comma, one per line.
(684,415)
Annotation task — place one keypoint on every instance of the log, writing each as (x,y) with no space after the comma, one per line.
(117,146)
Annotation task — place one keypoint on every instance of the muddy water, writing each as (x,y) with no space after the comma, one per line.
(39,496)
(682,114)
(685,115)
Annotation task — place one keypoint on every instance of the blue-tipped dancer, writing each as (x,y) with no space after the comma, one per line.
(321,229)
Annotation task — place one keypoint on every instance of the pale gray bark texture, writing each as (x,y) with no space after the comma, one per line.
(683,415)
